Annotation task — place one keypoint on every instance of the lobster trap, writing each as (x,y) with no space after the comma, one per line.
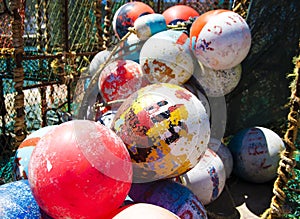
(46,48)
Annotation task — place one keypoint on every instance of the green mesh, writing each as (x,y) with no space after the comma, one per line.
(60,40)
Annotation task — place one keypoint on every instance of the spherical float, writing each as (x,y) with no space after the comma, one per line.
(166,58)
(179,13)
(81,166)
(256,154)
(17,201)
(119,79)
(220,39)
(100,58)
(148,25)
(127,14)
(170,195)
(198,93)
(207,179)
(165,128)
(129,49)
(224,153)
(217,83)
(142,210)
(107,118)
(24,152)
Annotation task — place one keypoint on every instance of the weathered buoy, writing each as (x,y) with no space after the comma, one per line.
(224,153)
(165,128)
(81,169)
(119,79)
(107,118)
(24,152)
(142,210)
(126,15)
(170,195)
(179,13)
(220,39)
(218,83)
(256,154)
(207,179)
(17,201)
(166,58)
(148,25)
(100,58)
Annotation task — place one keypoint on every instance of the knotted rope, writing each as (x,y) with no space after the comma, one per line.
(18,45)
(287,163)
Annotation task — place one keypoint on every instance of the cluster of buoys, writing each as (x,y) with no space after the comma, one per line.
(151,155)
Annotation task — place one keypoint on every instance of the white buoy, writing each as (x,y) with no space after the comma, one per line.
(207,178)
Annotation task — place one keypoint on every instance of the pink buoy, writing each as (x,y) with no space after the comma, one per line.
(207,179)
(220,39)
(148,25)
(166,58)
(119,79)
(256,154)
(81,169)
(165,128)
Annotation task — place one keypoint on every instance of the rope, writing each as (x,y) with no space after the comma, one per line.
(98,14)
(107,24)
(47,32)
(287,163)
(17,37)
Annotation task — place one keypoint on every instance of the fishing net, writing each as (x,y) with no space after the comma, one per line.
(46,48)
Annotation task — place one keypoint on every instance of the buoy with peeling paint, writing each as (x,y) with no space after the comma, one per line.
(179,13)
(24,152)
(166,58)
(256,154)
(148,25)
(165,128)
(171,195)
(126,15)
(207,179)
(220,39)
(119,79)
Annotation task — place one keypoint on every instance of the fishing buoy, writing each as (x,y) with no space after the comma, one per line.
(130,49)
(217,83)
(17,201)
(119,79)
(126,15)
(99,58)
(165,128)
(169,195)
(256,154)
(200,96)
(220,39)
(224,153)
(107,118)
(179,13)
(81,166)
(24,152)
(148,25)
(142,210)
(207,179)
(166,58)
